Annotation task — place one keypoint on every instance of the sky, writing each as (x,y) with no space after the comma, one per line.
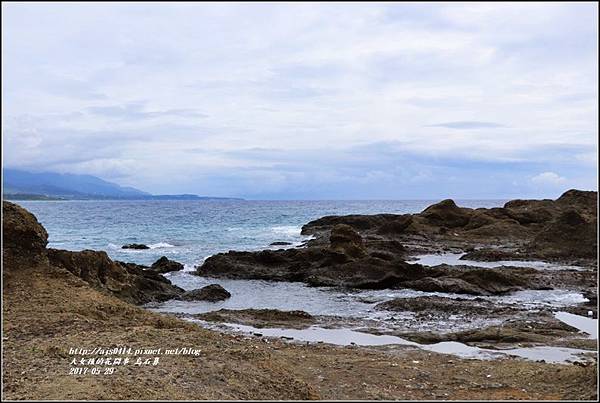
(306,101)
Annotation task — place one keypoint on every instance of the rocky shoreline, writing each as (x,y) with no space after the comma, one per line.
(353,252)
(373,251)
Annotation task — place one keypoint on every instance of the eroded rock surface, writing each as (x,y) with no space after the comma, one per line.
(562,229)
(211,293)
(25,241)
(260,317)
(164,265)
(370,251)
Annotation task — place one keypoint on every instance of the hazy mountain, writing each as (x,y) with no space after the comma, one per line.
(18,184)
(64,185)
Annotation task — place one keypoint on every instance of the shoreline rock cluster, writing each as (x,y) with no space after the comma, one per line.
(370,251)
(25,241)
(561,229)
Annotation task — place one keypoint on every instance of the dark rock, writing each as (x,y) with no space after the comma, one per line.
(129,282)
(135,246)
(366,251)
(313,265)
(527,212)
(358,222)
(260,317)
(211,293)
(444,306)
(489,255)
(24,245)
(585,202)
(499,230)
(164,265)
(398,225)
(519,331)
(280,243)
(447,213)
(472,281)
(21,230)
(479,219)
(345,239)
(570,235)
(444,284)
(494,281)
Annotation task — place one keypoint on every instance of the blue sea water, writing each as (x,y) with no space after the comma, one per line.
(190,231)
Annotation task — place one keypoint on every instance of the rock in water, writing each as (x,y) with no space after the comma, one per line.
(211,293)
(135,246)
(164,265)
(128,281)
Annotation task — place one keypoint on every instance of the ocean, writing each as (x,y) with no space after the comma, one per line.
(190,231)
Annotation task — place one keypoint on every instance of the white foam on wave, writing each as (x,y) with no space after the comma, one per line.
(160,245)
(288,230)
(188,268)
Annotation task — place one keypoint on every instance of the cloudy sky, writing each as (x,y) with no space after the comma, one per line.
(306,101)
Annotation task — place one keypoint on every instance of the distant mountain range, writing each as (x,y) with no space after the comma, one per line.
(23,185)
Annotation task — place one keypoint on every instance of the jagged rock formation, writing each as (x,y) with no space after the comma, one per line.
(25,241)
(367,251)
(549,229)
(210,293)
(164,265)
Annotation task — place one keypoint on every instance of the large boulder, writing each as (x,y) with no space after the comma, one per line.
(447,214)
(21,230)
(527,212)
(211,293)
(356,221)
(570,235)
(586,202)
(164,265)
(128,281)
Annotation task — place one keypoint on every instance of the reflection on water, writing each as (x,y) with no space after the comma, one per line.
(346,337)
(333,301)
(587,325)
(454,260)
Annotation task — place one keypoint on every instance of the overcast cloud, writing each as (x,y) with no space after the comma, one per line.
(306,101)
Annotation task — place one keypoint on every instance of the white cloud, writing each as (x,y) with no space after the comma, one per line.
(548,178)
(145,83)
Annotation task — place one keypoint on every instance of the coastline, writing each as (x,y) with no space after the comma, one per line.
(78,315)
